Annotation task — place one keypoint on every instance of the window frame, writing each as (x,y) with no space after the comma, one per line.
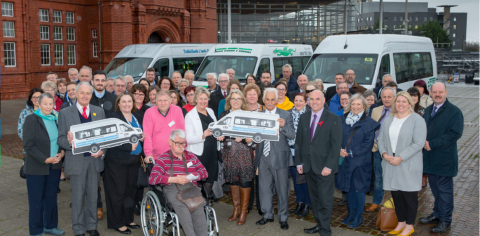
(7,10)
(94,33)
(95,48)
(8,52)
(58,58)
(72,34)
(40,11)
(47,55)
(7,29)
(72,17)
(56,17)
(47,32)
(55,34)
(69,56)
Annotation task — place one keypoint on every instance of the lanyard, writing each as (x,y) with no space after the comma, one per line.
(133,119)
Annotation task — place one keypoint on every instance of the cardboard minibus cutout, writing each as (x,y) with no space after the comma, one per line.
(243,124)
(96,135)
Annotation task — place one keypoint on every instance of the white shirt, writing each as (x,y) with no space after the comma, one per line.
(271,112)
(80,109)
(394,131)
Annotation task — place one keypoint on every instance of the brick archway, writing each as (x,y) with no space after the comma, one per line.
(165,28)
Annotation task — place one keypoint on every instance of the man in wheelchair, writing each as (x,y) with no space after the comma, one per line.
(175,169)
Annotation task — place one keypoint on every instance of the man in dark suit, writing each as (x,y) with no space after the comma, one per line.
(218,95)
(273,159)
(100,97)
(287,74)
(440,156)
(317,146)
(378,90)
(331,91)
(83,169)
(302,81)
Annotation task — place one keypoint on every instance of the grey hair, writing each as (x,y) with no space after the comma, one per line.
(287,66)
(230,69)
(84,83)
(177,72)
(354,97)
(214,75)
(369,93)
(199,91)
(342,82)
(88,68)
(190,71)
(184,80)
(162,92)
(44,95)
(270,90)
(222,75)
(178,133)
(52,73)
(51,84)
(312,83)
(393,90)
(386,75)
(121,78)
(111,79)
(128,76)
(71,69)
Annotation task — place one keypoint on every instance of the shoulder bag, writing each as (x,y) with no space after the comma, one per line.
(144,174)
(189,193)
(340,158)
(387,218)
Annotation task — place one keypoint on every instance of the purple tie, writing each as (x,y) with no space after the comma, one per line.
(312,126)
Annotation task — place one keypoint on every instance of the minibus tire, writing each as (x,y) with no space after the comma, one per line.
(257,138)
(133,139)
(94,149)
(217,133)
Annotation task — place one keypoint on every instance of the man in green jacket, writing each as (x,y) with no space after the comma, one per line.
(440,158)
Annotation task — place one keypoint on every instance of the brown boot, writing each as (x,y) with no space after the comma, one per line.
(100,213)
(244,200)
(235,192)
(373,208)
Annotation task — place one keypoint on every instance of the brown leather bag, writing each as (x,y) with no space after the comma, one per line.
(387,218)
(189,194)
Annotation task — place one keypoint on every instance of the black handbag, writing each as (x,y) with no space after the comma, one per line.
(189,193)
(22,170)
(144,174)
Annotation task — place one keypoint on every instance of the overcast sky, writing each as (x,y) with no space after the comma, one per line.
(469,6)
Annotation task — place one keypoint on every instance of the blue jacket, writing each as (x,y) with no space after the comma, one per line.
(334,105)
(356,171)
(292,83)
(443,132)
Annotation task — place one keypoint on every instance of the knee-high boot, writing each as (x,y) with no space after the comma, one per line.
(351,198)
(234,190)
(244,199)
(359,204)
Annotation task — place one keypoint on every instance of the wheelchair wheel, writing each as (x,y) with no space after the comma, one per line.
(212,226)
(151,215)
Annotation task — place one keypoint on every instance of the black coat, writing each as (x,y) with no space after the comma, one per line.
(107,102)
(140,113)
(331,91)
(215,99)
(36,143)
(123,151)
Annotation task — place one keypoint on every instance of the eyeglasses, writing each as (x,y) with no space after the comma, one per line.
(190,95)
(223,81)
(349,74)
(281,90)
(35,98)
(309,91)
(166,84)
(179,144)
(139,94)
(236,99)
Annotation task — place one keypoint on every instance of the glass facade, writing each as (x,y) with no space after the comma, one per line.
(276,22)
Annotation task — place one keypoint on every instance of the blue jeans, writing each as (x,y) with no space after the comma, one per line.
(378,183)
(42,201)
(442,190)
(301,190)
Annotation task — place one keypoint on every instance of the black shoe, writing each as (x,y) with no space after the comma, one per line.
(135,226)
(284,225)
(299,208)
(441,227)
(93,232)
(127,231)
(305,211)
(136,210)
(431,219)
(313,230)
(79,234)
(263,221)
(58,190)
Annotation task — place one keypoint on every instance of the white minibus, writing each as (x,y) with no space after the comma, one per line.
(135,59)
(248,59)
(96,135)
(406,58)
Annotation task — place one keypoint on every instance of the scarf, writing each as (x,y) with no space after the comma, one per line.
(286,105)
(296,118)
(352,119)
(52,116)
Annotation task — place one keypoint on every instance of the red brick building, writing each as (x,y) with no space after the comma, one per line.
(41,36)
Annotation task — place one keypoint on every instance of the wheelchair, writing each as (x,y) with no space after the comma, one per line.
(158,217)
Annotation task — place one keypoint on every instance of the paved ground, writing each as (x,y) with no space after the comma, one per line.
(14,205)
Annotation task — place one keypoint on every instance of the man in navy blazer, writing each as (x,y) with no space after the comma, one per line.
(440,157)
(317,147)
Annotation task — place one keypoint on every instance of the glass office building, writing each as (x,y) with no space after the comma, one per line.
(271,21)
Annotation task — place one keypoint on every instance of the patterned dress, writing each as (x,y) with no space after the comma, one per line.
(238,159)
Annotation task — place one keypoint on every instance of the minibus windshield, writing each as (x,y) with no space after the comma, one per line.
(134,67)
(219,64)
(325,66)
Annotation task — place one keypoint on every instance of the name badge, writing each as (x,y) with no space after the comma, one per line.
(189,164)
(171,123)
(229,143)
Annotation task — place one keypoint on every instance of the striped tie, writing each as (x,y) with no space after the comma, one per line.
(266,148)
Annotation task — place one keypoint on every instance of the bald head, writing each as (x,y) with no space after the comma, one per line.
(439,93)
(316,100)
(302,81)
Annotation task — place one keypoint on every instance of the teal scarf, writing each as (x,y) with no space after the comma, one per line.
(52,116)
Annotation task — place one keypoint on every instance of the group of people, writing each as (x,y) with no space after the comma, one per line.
(338,138)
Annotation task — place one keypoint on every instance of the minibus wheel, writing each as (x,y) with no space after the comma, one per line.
(133,139)
(217,133)
(257,138)
(94,149)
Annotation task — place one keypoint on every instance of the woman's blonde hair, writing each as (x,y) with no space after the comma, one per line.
(244,101)
(406,95)
(199,91)
(312,83)
(50,84)
(355,97)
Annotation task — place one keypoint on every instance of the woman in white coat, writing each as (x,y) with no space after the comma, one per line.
(400,143)
(200,140)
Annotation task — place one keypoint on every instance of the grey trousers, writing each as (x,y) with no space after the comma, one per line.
(193,224)
(83,184)
(271,180)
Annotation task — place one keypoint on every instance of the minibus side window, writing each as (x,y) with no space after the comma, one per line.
(401,67)
(412,66)
(125,128)
(183,64)
(162,67)
(226,121)
(297,63)
(384,68)
(264,65)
